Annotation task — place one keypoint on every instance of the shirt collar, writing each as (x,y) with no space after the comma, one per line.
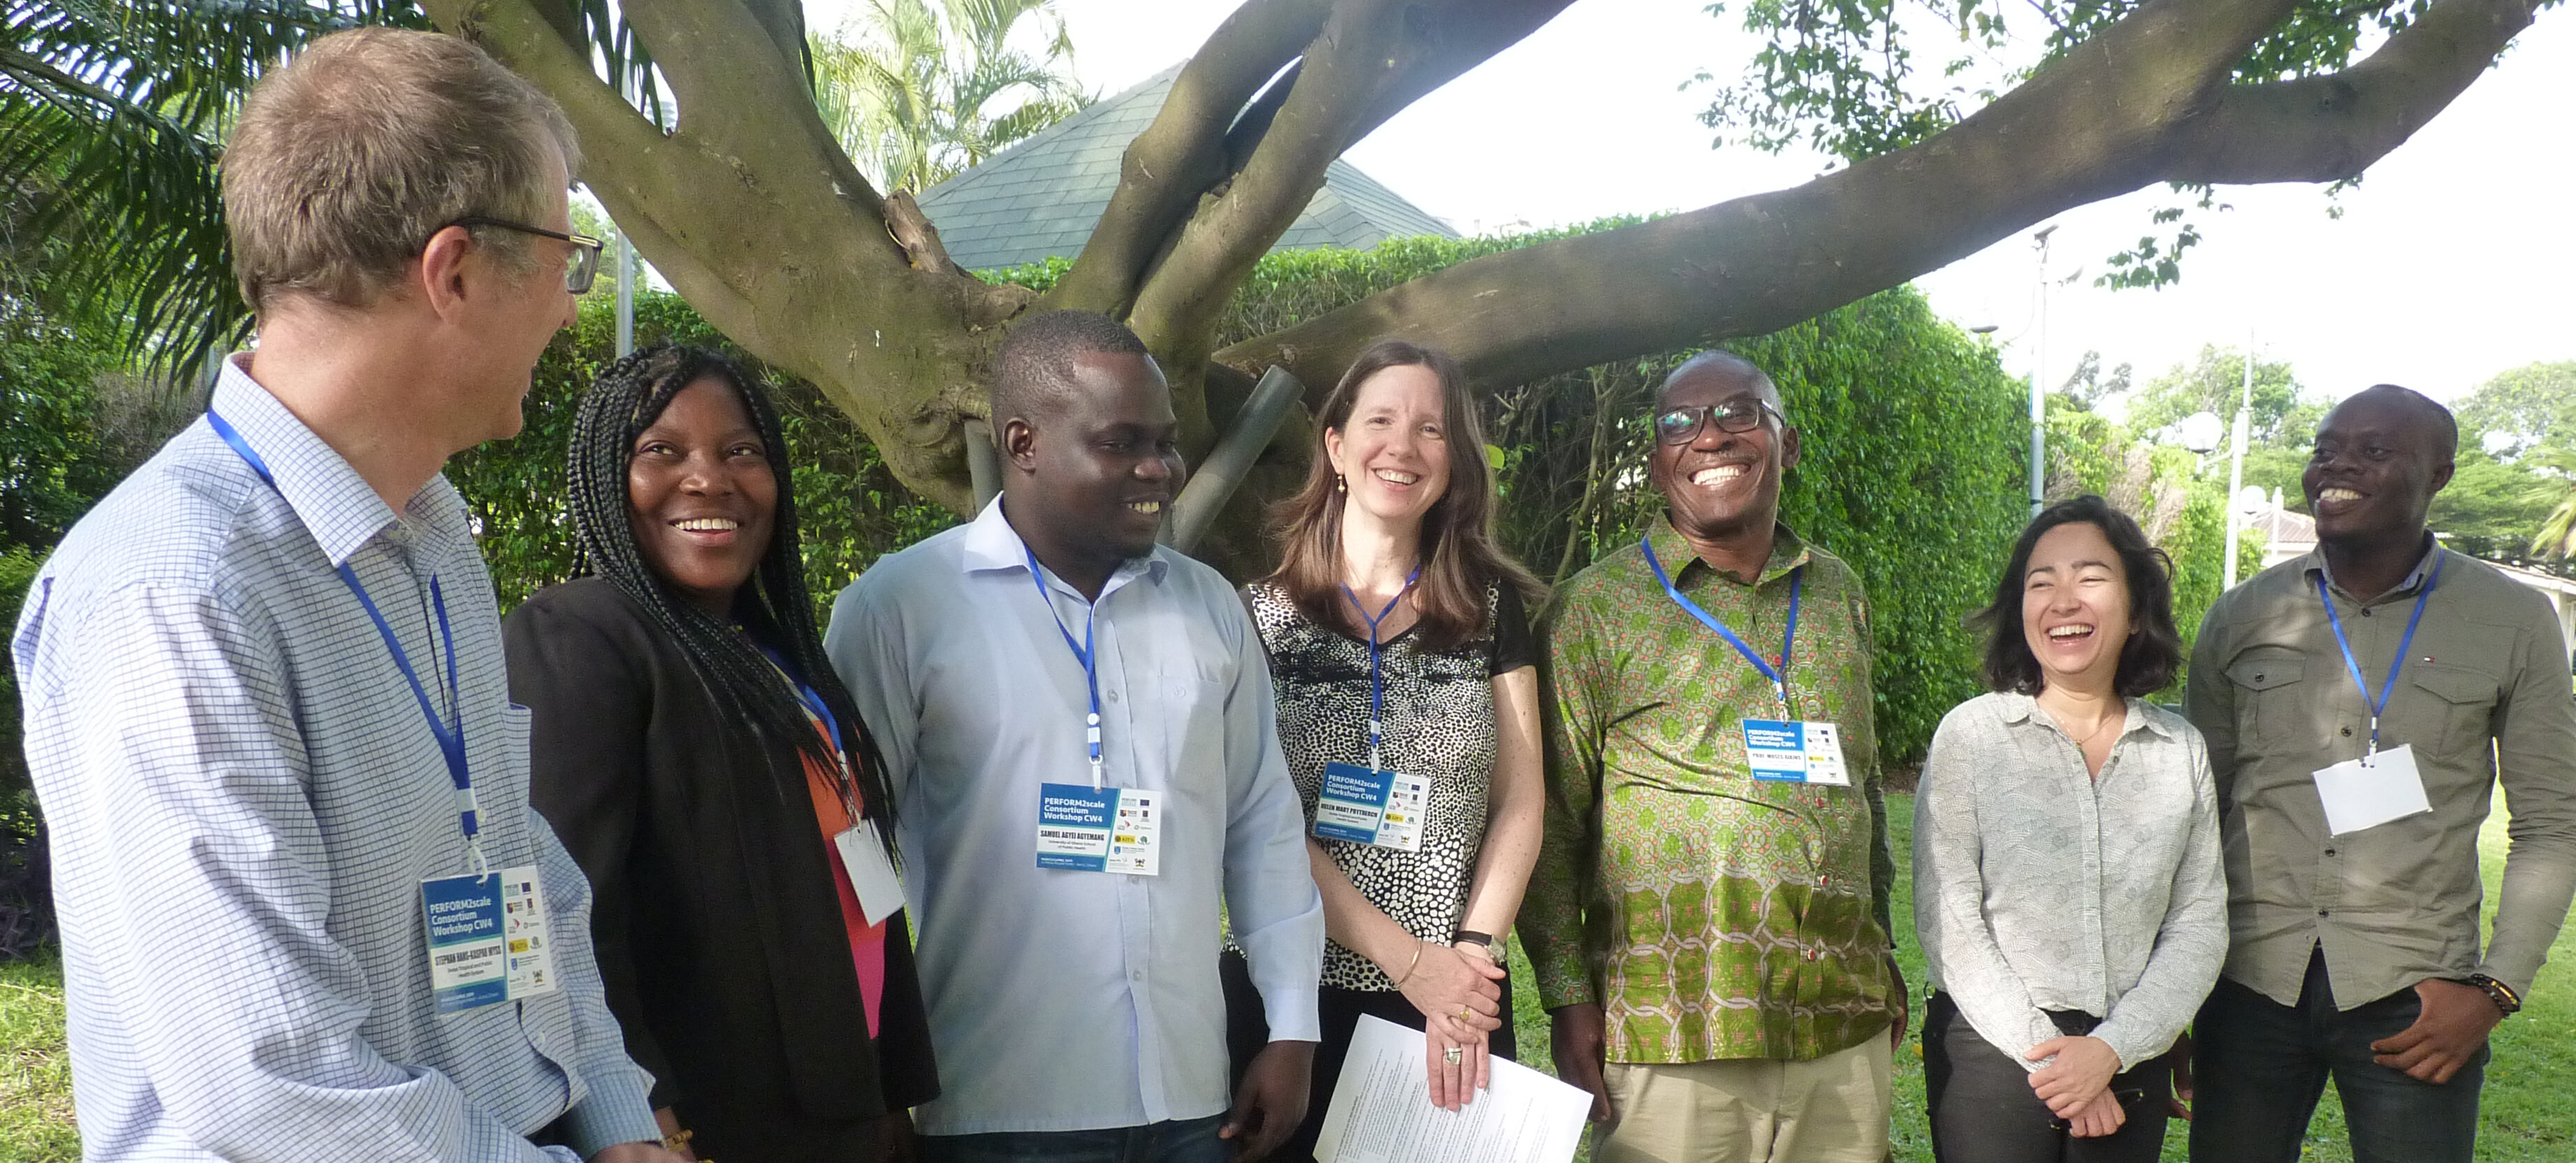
(1788,552)
(991,544)
(2314,565)
(340,509)
(2022,708)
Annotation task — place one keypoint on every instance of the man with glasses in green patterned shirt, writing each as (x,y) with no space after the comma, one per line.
(1709,917)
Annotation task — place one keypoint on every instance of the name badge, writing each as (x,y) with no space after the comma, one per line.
(1364,806)
(872,876)
(1112,829)
(1789,751)
(2372,790)
(487,938)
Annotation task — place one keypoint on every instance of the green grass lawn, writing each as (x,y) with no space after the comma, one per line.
(2528,1116)
(35,1075)
(2528,1112)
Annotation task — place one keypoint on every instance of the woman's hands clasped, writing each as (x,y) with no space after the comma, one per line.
(1458,990)
(2077,1086)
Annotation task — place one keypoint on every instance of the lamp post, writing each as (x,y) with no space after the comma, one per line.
(625,269)
(2038,397)
(2236,464)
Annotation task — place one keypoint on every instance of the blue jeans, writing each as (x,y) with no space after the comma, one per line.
(2259,1067)
(1179,1141)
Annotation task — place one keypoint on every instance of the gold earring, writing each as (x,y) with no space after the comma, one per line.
(1341,484)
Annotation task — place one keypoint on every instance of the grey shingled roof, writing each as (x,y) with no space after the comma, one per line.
(1042,197)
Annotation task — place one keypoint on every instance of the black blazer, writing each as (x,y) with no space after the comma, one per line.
(715,918)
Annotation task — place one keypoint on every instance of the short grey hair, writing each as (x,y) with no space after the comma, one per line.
(350,157)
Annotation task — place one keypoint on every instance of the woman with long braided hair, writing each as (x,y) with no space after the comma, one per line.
(694,750)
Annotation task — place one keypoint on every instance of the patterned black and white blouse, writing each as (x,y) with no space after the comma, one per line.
(1439,717)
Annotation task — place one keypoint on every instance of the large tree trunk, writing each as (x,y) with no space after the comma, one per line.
(757,217)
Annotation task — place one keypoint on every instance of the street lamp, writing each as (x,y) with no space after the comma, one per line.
(2039,399)
(2236,464)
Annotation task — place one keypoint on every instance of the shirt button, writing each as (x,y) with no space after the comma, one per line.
(2330,851)
(2347,732)
(2365,611)
(1113,696)
(2321,912)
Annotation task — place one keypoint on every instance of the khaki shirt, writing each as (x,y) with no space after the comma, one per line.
(2484,695)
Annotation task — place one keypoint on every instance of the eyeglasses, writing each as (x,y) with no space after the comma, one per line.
(1681,425)
(580,270)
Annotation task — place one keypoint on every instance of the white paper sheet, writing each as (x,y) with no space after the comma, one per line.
(1382,1113)
(2365,793)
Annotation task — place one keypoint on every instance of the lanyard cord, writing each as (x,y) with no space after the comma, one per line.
(1778,675)
(1082,651)
(2387,690)
(450,737)
(845,779)
(1377,684)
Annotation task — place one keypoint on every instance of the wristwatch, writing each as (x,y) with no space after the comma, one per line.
(1472,937)
(2502,995)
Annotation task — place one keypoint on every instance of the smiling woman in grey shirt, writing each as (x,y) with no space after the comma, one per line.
(2068,891)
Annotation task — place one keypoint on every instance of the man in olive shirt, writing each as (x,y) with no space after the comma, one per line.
(2356,954)
(1711,935)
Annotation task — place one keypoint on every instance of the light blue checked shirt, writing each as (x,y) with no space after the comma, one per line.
(244,799)
(1059,1000)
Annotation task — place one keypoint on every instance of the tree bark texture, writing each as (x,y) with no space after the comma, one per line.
(754,213)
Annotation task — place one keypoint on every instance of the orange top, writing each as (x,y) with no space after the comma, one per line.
(867,942)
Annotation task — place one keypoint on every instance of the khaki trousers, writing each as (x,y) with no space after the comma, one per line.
(1831,1110)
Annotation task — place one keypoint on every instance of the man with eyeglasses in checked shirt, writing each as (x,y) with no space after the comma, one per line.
(1708,922)
(307,912)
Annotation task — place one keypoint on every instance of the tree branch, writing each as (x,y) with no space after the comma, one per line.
(1182,153)
(759,220)
(2323,129)
(1372,59)
(2107,118)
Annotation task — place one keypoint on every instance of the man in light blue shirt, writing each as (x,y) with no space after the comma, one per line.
(1076,1007)
(265,706)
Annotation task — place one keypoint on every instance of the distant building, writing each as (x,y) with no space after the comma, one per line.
(2288,535)
(1042,197)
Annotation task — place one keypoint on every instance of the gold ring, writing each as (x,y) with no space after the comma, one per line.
(1466,1014)
(1453,1055)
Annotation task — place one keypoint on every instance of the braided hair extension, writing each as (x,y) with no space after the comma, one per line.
(773,605)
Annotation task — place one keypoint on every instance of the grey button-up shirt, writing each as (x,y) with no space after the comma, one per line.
(2483,698)
(244,799)
(2040,886)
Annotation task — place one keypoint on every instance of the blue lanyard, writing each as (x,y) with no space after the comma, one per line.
(451,737)
(1082,651)
(812,701)
(1779,674)
(2387,690)
(1377,684)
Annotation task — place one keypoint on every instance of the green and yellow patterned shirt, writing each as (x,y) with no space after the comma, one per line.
(1712,915)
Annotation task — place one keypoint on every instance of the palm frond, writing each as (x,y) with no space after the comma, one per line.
(112,114)
(912,91)
(2557,537)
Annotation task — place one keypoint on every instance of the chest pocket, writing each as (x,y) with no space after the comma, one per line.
(2461,706)
(2269,699)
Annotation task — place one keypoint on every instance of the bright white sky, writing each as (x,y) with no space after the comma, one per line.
(2448,265)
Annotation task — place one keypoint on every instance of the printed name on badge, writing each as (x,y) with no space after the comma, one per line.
(1376,807)
(1111,829)
(1790,751)
(487,938)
